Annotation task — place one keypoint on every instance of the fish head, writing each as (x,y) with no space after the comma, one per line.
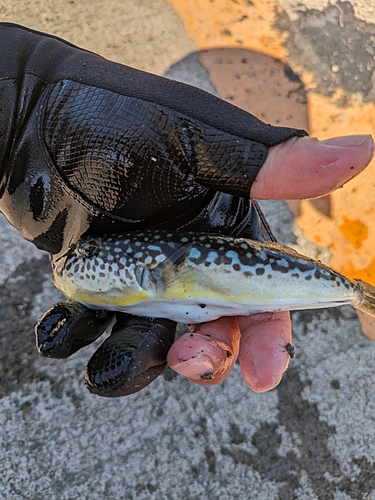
(99,271)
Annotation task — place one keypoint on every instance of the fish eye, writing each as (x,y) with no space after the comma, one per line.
(88,248)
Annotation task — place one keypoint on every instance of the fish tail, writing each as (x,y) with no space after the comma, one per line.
(367,298)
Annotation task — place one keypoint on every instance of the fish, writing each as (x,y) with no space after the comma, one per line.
(191,277)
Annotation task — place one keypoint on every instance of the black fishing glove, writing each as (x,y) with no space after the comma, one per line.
(90,146)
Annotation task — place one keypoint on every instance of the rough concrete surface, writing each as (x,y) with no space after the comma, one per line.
(313,437)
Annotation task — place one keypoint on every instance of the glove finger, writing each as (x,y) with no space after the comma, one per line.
(131,358)
(67,327)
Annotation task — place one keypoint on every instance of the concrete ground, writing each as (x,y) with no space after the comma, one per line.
(313,437)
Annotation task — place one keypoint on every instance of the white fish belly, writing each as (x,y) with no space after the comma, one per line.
(193,311)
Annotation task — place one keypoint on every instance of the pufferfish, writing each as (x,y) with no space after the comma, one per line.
(192,277)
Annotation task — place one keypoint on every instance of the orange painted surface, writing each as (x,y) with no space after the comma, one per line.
(354,231)
(232,23)
(241,76)
(348,228)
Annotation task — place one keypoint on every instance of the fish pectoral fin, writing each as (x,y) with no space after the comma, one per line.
(151,280)
(162,277)
(180,284)
(180,279)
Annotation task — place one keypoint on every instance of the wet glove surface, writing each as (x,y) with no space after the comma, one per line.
(91,146)
(111,144)
(101,141)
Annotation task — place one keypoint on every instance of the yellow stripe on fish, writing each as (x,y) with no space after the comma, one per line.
(193,277)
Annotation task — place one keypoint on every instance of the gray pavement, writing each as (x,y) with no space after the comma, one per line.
(313,437)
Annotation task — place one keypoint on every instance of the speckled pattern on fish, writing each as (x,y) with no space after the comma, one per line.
(193,277)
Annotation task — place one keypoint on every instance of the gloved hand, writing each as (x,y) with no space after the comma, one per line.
(90,146)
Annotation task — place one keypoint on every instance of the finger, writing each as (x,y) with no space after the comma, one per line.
(132,356)
(264,355)
(207,354)
(67,327)
(367,324)
(307,168)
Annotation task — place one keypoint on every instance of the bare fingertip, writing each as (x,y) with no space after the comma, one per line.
(196,368)
(260,387)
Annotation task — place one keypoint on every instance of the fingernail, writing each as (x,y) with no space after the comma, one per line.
(349,141)
(198,368)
